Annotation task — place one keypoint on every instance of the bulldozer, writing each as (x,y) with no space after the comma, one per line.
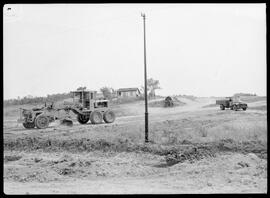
(168,102)
(84,105)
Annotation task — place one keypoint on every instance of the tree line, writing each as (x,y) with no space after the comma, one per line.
(37,100)
(108,93)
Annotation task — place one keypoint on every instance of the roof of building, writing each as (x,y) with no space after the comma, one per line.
(128,89)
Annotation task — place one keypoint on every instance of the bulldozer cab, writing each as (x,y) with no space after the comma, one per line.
(84,98)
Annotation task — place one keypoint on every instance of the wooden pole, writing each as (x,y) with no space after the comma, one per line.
(145,83)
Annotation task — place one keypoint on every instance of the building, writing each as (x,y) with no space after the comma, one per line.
(128,92)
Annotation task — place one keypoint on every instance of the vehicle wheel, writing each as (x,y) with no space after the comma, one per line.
(109,116)
(234,107)
(29,125)
(82,119)
(244,108)
(96,117)
(42,121)
(222,107)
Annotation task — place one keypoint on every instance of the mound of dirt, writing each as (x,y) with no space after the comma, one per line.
(191,155)
(161,103)
(30,173)
(226,173)
(9,158)
(201,150)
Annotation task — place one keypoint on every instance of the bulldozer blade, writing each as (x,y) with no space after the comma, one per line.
(66,122)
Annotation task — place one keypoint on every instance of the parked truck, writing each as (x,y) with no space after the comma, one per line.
(232,104)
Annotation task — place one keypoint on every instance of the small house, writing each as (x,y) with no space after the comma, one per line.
(128,92)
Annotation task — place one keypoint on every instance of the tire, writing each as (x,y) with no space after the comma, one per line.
(96,117)
(109,116)
(234,107)
(29,125)
(42,121)
(244,108)
(82,119)
(222,107)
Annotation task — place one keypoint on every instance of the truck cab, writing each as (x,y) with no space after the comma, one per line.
(86,100)
(87,106)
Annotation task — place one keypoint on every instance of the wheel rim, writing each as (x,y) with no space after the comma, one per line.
(109,117)
(97,117)
(42,122)
(83,118)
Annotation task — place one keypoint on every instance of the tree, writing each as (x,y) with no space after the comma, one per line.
(81,88)
(152,86)
(107,92)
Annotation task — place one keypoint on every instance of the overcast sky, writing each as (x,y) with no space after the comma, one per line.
(198,49)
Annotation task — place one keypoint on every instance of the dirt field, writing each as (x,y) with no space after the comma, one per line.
(194,148)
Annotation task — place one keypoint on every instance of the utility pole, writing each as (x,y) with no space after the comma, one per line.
(145,83)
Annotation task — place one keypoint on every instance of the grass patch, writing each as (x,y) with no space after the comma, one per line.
(125,145)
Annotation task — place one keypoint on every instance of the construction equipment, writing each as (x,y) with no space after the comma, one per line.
(168,102)
(232,104)
(87,107)
(41,117)
(84,105)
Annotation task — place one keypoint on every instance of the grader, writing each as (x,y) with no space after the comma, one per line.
(84,105)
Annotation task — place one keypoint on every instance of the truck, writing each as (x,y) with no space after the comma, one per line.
(232,104)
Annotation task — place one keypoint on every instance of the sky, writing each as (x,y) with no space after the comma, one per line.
(193,49)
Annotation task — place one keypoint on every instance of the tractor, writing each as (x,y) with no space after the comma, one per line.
(84,105)
(168,102)
(230,103)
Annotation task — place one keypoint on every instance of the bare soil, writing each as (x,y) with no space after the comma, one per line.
(191,150)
